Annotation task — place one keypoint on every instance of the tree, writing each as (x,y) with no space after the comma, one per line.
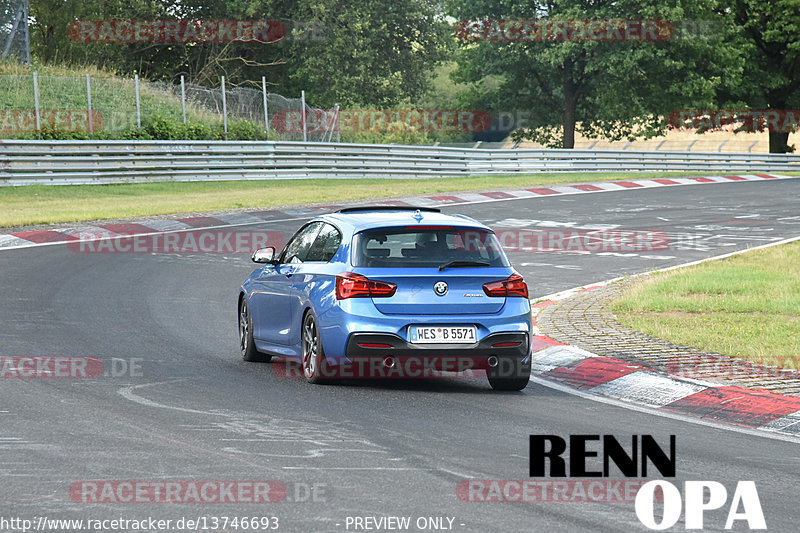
(373,52)
(768,39)
(51,41)
(612,88)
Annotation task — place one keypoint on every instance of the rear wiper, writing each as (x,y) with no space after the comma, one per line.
(463,264)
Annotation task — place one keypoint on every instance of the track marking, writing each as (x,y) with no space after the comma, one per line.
(379,468)
(123,236)
(664,414)
(312,454)
(128,394)
(422,201)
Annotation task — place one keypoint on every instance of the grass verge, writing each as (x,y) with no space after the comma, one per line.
(48,204)
(745,306)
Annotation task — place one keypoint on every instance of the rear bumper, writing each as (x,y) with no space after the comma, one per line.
(507,347)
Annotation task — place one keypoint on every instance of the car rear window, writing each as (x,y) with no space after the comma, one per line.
(426,247)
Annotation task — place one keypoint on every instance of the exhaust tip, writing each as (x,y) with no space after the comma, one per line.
(389,362)
(493,361)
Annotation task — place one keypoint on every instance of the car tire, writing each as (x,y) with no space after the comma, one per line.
(510,377)
(314,364)
(246,344)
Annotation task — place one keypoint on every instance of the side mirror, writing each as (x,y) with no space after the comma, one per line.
(264,255)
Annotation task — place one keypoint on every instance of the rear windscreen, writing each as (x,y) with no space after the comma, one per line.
(426,247)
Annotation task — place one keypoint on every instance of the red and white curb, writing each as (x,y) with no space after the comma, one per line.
(592,374)
(148,227)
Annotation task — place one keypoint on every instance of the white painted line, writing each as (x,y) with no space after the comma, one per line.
(468,197)
(165,225)
(128,394)
(240,218)
(648,388)
(684,181)
(650,183)
(789,424)
(378,468)
(11,241)
(305,212)
(521,193)
(90,232)
(568,189)
(556,357)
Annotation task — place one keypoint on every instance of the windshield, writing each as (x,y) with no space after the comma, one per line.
(427,247)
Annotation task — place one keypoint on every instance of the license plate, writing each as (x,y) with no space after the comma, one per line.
(443,334)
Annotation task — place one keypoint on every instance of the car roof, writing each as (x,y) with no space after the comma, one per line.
(355,221)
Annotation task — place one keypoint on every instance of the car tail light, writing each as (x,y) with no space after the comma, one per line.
(506,344)
(350,285)
(510,287)
(374,345)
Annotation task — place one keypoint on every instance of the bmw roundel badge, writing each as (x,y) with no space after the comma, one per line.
(440,288)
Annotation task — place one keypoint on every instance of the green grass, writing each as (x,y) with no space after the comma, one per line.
(48,204)
(745,306)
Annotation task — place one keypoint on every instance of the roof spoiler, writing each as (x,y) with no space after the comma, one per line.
(387,208)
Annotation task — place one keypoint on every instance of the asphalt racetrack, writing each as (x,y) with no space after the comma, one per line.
(193,410)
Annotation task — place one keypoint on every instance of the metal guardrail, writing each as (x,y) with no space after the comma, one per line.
(102,162)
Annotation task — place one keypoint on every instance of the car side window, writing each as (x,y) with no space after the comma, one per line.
(297,249)
(326,244)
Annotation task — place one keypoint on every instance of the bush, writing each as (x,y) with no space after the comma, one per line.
(244,130)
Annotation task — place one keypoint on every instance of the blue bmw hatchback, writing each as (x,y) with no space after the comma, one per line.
(379,287)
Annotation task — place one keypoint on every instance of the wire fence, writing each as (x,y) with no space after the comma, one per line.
(109,108)
(32,103)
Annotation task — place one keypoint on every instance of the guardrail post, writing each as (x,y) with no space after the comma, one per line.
(36,104)
(264,95)
(303,106)
(336,119)
(138,105)
(224,110)
(89,100)
(183,99)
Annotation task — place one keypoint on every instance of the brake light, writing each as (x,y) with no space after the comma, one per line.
(350,285)
(514,286)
